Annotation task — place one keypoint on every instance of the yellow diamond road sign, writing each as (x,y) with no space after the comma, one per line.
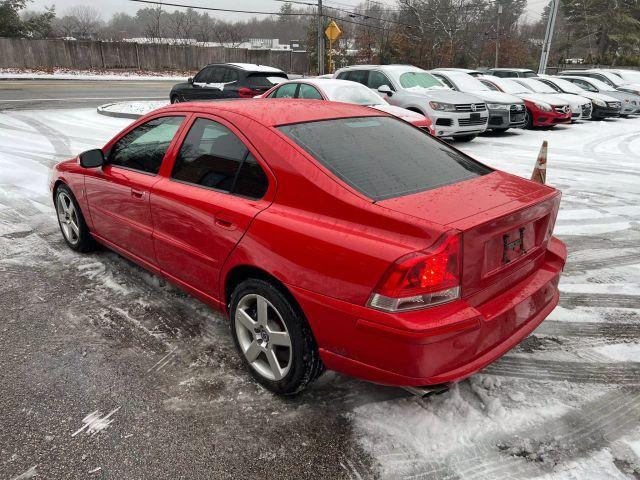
(333,32)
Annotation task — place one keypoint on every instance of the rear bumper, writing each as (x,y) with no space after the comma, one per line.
(440,345)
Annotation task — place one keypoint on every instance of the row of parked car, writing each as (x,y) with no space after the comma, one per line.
(449,102)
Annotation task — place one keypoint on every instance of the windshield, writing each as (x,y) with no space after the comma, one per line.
(420,79)
(352,92)
(612,78)
(509,86)
(537,86)
(567,86)
(383,157)
(466,83)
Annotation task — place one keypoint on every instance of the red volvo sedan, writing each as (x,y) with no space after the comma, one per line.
(332,235)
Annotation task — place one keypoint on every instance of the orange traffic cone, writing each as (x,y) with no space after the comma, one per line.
(540,170)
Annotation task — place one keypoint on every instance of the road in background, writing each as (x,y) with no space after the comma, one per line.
(35,94)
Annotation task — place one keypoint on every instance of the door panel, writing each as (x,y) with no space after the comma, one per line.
(119,205)
(197,219)
(118,193)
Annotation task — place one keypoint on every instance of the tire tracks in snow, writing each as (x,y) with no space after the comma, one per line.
(599,300)
(613,373)
(529,452)
(616,331)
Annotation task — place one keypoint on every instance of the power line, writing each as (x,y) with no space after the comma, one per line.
(351,12)
(166,4)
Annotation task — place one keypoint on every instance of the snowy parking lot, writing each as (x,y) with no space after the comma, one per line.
(109,372)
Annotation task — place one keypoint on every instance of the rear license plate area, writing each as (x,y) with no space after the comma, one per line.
(510,246)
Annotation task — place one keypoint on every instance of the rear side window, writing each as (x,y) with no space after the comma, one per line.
(383,157)
(143,148)
(266,79)
(530,74)
(213,156)
(286,91)
(309,92)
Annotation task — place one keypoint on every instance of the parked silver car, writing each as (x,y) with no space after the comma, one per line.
(606,76)
(580,106)
(454,114)
(629,102)
(505,111)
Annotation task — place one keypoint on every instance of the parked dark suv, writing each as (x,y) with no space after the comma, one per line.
(227,80)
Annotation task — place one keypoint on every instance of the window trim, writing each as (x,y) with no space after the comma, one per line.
(168,154)
(251,150)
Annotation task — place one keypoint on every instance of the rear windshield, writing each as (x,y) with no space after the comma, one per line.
(383,157)
(266,79)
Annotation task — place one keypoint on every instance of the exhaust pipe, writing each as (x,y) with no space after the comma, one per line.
(428,390)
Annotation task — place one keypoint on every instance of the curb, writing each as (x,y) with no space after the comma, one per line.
(101,110)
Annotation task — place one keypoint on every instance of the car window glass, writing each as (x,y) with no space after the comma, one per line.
(203,75)
(586,85)
(445,81)
(252,181)
(217,75)
(377,79)
(359,76)
(383,157)
(490,86)
(529,74)
(342,75)
(211,156)
(265,80)
(230,75)
(286,91)
(144,147)
(420,80)
(309,92)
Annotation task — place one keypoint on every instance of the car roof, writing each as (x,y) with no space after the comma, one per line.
(321,82)
(251,67)
(277,111)
(393,67)
(504,69)
(459,70)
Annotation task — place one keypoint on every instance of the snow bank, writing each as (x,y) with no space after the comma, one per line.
(66,74)
(130,109)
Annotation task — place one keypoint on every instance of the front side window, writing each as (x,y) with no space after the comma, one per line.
(419,79)
(144,147)
(377,79)
(359,76)
(382,157)
(204,76)
(445,81)
(213,156)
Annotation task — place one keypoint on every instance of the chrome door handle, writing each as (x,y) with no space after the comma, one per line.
(137,193)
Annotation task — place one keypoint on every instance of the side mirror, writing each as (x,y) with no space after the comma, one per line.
(386,89)
(92,158)
(190,80)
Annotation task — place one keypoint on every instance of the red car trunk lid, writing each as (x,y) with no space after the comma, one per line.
(504,220)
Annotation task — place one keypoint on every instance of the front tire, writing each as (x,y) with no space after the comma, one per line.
(528,122)
(71,221)
(464,138)
(273,338)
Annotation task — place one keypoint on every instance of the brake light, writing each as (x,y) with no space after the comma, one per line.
(421,279)
(245,92)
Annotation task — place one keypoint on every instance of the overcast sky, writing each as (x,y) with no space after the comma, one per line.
(109,7)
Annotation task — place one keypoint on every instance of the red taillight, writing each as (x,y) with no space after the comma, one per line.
(247,92)
(421,279)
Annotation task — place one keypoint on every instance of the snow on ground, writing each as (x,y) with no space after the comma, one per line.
(565,404)
(136,108)
(68,74)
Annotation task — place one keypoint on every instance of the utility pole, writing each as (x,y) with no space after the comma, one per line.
(546,46)
(320,40)
(498,34)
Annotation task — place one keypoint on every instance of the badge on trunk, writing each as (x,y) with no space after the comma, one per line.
(516,246)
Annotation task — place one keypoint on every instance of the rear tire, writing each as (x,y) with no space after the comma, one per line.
(71,221)
(464,138)
(176,99)
(273,338)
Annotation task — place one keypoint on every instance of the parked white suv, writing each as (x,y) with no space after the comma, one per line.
(454,114)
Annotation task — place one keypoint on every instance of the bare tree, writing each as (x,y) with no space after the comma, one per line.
(87,20)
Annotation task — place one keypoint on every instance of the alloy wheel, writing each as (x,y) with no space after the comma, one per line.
(263,337)
(68,217)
